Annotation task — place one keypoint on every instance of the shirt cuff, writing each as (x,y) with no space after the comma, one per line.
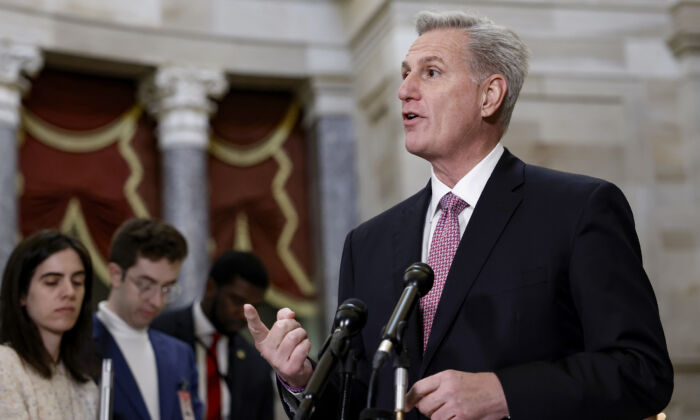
(297,391)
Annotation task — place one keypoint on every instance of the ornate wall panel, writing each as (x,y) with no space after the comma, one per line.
(87,160)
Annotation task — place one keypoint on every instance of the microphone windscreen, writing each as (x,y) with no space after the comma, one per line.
(420,274)
(351,314)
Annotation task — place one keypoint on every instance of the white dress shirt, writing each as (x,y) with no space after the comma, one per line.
(138,352)
(469,189)
(204,330)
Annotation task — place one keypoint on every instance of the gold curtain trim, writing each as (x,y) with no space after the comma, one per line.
(270,147)
(122,130)
(242,242)
(280,299)
(136,170)
(74,221)
(261,150)
(291,223)
(80,141)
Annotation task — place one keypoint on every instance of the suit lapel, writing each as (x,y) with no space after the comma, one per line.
(166,394)
(185,323)
(235,369)
(496,205)
(124,381)
(408,240)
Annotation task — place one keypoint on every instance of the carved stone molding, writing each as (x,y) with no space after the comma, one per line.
(686,31)
(179,98)
(15,61)
(326,96)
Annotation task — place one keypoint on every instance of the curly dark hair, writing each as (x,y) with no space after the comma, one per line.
(232,264)
(16,327)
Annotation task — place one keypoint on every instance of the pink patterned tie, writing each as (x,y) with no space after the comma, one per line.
(442,251)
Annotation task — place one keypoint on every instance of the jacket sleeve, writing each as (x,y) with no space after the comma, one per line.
(194,385)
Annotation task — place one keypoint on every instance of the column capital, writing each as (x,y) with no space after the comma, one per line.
(685,40)
(15,61)
(326,96)
(179,97)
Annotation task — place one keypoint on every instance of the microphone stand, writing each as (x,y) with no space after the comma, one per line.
(347,374)
(401,364)
(338,348)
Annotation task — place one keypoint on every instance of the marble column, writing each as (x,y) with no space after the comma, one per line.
(179,98)
(329,122)
(15,59)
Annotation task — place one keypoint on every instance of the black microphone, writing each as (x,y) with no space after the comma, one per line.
(350,318)
(417,279)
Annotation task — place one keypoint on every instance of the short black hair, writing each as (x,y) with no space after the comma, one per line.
(18,330)
(152,239)
(245,265)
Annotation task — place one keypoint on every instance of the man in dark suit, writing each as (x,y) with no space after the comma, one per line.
(155,376)
(238,381)
(540,307)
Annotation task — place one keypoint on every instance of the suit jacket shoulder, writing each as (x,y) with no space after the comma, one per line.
(178,323)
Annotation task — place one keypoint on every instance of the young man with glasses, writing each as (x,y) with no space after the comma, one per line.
(155,375)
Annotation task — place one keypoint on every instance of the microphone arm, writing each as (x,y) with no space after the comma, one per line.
(418,280)
(350,318)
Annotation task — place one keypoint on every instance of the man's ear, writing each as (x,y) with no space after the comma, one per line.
(115,274)
(493,93)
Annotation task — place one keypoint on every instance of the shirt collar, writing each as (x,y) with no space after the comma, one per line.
(203,328)
(115,324)
(470,187)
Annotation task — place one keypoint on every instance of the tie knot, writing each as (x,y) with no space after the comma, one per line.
(451,203)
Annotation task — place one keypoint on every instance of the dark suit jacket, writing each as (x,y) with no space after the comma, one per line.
(175,366)
(249,375)
(546,289)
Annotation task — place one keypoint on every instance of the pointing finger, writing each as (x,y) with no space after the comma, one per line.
(257,329)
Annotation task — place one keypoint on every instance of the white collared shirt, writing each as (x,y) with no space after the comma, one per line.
(203,330)
(137,350)
(469,189)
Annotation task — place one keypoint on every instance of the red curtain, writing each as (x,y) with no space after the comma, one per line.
(67,161)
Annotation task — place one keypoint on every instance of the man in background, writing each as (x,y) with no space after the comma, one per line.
(235,382)
(155,376)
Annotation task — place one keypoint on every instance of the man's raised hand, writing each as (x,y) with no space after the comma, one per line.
(285,345)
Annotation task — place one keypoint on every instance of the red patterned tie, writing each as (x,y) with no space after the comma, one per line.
(442,251)
(213,384)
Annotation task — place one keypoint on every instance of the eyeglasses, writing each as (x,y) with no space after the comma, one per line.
(147,288)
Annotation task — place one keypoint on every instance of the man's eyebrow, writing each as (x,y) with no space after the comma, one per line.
(430,59)
(147,278)
(169,283)
(423,61)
